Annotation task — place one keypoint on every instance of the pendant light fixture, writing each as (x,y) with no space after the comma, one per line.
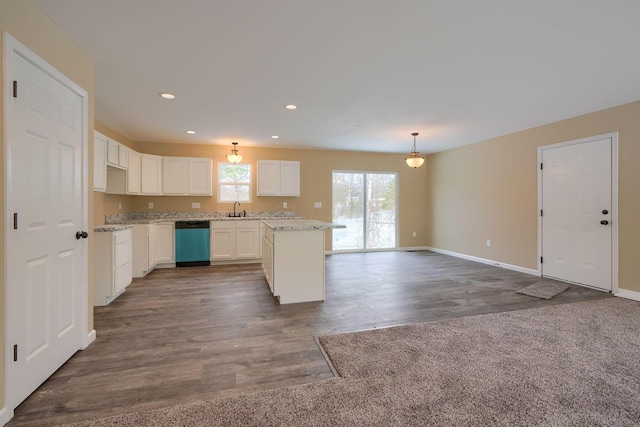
(414,160)
(234,157)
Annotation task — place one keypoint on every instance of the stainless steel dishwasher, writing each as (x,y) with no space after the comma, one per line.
(192,243)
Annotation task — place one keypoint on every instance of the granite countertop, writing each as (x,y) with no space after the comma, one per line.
(111,228)
(157,217)
(299,224)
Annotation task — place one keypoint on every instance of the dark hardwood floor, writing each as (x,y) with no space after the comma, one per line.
(195,333)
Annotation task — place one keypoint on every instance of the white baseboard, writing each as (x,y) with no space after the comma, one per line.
(5,415)
(623,293)
(487,261)
(91,337)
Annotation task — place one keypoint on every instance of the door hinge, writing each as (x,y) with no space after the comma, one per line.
(15,88)
(15,221)
(15,353)
(541,261)
(540,166)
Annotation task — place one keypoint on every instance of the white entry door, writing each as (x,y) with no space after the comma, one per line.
(45,261)
(576,213)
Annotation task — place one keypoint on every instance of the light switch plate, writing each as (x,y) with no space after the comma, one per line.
(317,204)
(284,205)
(150,205)
(195,205)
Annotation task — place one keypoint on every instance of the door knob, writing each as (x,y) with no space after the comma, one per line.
(604,222)
(81,234)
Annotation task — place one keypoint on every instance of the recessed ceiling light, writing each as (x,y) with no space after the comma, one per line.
(290,106)
(167,95)
(275,136)
(191,132)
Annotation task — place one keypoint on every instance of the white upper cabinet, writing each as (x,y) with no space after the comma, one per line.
(150,174)
(112,152)
(99,162)
(174,175)
(123,156)
(200,177)
(290,178)
(278,178)
(186,176)
(117,154)
(133,173)
(130,172)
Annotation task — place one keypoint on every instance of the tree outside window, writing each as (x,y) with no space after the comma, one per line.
(234,182)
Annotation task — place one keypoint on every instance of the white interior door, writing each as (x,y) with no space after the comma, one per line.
(577,217)
(45,261)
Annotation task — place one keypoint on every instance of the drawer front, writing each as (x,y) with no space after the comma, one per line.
(123,254)
(122,277)
(122,236)
(222,224)
(247,223)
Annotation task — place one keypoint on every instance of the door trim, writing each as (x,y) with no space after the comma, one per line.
(614,199)
(11,46)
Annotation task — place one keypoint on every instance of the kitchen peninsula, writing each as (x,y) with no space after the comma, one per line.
(293,258)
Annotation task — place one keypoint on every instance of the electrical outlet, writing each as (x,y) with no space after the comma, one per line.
(488,243)
(415,234)
(150,205)
(195,205)
(284,205)
(119,205)
(317,205)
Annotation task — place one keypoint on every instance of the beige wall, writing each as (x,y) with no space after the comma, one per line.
(489,190)
(26,23)
(315,182)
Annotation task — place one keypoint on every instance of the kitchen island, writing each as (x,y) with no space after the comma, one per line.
(293,258)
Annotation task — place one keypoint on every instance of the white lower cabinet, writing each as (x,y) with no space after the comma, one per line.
(293,264)
(235,240)
(165,243)
(112,270)
(153,246)
(222,241)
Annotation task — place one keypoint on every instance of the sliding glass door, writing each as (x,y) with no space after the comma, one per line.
(366,203)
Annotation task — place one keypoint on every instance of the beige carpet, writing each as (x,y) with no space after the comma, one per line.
(572,364)
(544,289)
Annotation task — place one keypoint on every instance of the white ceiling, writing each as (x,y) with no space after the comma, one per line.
(365,74)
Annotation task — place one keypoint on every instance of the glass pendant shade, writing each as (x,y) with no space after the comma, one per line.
(414,160)
(234,157)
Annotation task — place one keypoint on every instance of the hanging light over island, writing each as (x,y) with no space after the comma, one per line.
(414,160)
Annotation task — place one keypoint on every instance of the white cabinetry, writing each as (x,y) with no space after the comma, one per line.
(174,175)
(112,270)
(247,239)
(165,243)
(99,162)
(200,177)
(278,178)
(150,174)
(293,263)
(112,152)
(133,173)
(223,240)
(153,246)
(117,154)
(186,176)
(235,240)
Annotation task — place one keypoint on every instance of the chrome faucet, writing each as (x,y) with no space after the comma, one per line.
(234,208)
